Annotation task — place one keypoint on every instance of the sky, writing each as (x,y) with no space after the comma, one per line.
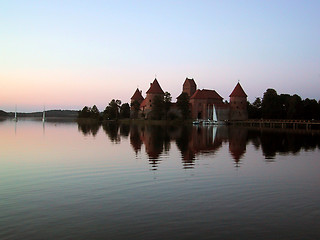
(69,54)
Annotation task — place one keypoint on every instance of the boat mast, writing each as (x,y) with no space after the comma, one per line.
(15,113)
(44,114)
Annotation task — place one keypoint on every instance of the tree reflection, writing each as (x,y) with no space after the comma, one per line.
(182,141)
(89,128)
(273,142)
(124,130)
(153,140)
(112,131)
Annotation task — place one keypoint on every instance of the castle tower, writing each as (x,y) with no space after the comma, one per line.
(137,99)
(189,86)
(137,96)
(154,90)
(238,104)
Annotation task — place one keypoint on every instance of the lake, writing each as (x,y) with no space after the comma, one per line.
(69,181)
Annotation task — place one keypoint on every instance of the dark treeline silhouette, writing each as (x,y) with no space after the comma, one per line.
(283,106)
(89,112)
(183,105)
(3,113)
(115,110)
(161,109)
(70,114)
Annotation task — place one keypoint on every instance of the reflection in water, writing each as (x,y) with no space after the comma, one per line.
(283,142)
(112,131)
(89,128)
(72,185)
(135,139)
(237,143)
(182,142)
(153,139)
(124,130)
(204,140)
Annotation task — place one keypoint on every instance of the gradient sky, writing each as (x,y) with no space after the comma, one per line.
(68,54)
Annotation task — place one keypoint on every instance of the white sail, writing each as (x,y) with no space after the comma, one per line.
(44,115)
(214,115)
(15,114)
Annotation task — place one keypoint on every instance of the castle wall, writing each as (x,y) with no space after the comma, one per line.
(223,113)
(238,108)
(202,109)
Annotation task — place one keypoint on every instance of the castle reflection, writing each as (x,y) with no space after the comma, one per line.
(193,141)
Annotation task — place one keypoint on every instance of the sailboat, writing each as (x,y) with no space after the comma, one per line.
(15,115)
(44,115)
(214,115)
(214,120)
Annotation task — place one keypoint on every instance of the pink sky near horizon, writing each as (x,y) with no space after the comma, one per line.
(74,89)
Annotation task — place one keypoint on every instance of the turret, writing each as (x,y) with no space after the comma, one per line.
(189,86)
(238,104)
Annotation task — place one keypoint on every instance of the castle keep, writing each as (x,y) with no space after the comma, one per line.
(201,102)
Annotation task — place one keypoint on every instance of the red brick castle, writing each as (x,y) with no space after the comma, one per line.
(202,102)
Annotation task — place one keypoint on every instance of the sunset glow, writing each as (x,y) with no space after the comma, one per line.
(66,55)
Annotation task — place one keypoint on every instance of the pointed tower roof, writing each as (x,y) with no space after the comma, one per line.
(155,88)
(137,96)
(238,91)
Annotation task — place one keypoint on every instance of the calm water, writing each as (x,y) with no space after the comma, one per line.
(64,181)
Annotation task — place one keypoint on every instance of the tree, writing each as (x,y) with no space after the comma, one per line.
(183,105)
(94,113)
(3,113)
(284,100)
(295,107)
(85,112)
(167,103)
(257,103)
(157,107)
(254,109)
(125,110)
(135,105)
(270,106)
(112,110)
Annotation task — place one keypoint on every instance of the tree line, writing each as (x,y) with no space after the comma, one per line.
(114,110)
(160,109)
(283,106)
(270,106)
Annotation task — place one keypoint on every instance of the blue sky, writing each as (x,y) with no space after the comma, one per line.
(67,54)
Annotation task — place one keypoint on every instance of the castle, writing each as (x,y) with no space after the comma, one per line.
(201,102)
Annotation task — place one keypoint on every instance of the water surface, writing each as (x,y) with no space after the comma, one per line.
(64,181)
